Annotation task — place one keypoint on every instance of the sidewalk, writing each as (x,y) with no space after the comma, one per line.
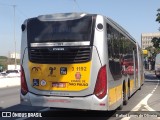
(149,71)
(9,82)
(150,76)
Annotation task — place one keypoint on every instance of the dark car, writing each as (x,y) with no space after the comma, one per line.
(11,73)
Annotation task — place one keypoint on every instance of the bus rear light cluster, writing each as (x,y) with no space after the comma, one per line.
(101,85)
(24,88)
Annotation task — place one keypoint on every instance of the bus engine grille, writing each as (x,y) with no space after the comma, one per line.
(67,55)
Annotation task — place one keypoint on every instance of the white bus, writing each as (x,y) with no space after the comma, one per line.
(78,61)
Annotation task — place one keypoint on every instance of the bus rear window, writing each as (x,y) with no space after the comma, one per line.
(57,31)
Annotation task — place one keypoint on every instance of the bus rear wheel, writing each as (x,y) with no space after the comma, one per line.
(121,105)
(125,96)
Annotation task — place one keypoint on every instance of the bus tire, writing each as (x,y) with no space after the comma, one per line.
(121,106)
(125,96)
(128,92)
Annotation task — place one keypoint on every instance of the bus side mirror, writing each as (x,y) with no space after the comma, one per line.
(23,27)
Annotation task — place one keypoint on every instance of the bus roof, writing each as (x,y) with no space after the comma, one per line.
(62,16)
(121,28)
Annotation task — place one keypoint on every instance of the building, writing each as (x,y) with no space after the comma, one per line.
(12,55)
(146,39)
(13,67)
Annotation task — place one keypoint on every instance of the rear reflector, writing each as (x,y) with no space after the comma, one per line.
(24,88)
(102,104)
(101,85)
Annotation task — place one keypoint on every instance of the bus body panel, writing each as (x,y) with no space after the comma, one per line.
(124,77)
(94,68)
(24,42)
(100,40)
(140,67)
(93,76)
(88,102)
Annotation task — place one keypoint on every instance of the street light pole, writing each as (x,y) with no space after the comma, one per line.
(14,38)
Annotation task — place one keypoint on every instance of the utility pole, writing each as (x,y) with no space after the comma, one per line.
(75,5)
(14,6)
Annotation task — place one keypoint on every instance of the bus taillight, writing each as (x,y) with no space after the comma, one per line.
(24,88)
(101,84)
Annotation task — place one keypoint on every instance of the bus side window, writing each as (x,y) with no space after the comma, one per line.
(114,52)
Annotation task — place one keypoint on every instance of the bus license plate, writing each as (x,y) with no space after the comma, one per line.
(59,84)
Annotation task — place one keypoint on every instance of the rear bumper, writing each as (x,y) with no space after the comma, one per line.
(87,103)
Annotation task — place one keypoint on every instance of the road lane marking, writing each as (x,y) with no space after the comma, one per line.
(143,103)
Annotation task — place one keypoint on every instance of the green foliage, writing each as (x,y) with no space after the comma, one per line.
(3,57)
(149,48)
(4,61)
(153,51)
(156,42)
(158,16)
(157,50)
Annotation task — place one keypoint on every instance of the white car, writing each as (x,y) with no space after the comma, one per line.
(12,73)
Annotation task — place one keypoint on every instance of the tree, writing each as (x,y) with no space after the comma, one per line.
(158,17)
(156,44)
(151,52)
(155,40)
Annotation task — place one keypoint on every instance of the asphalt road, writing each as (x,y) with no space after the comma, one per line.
(145,100)
(9,96)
